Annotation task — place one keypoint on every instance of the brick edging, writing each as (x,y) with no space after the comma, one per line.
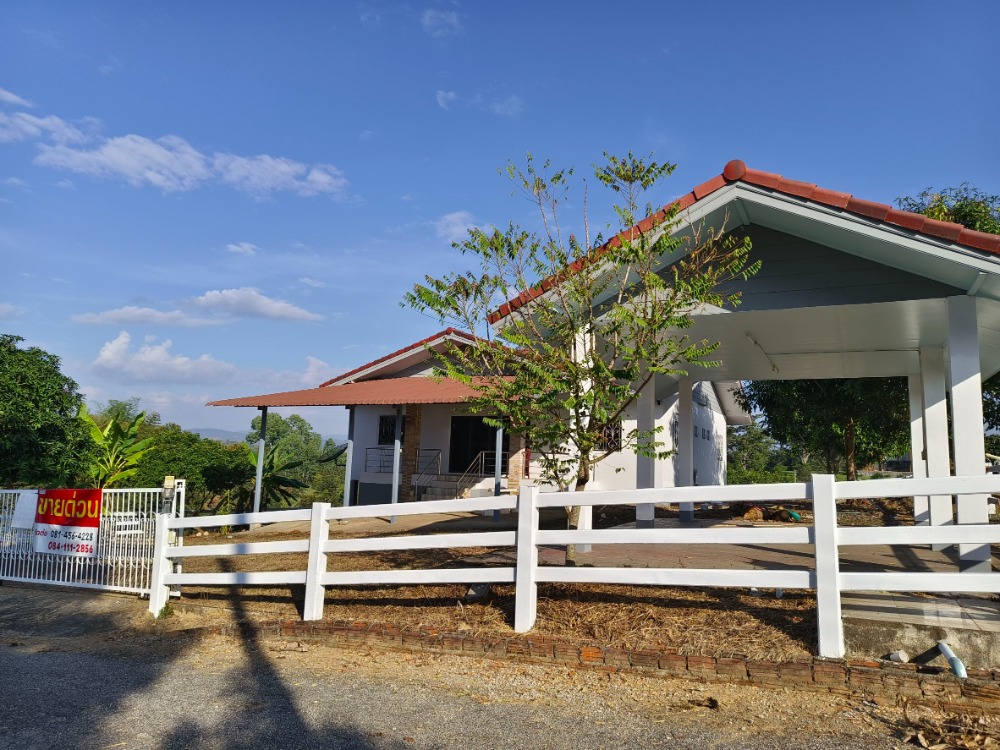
(924,684)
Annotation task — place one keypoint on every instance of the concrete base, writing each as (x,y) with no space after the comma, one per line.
(874,639)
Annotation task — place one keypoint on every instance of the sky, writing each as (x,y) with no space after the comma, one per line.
(208,200)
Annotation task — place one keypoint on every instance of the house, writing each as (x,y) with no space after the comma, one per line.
(848,288)
(447,451)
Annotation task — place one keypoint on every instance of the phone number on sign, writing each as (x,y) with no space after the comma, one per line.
(85,549)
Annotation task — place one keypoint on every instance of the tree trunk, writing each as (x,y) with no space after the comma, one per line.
(849,444)
(573,513)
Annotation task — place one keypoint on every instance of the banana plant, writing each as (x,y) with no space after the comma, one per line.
(119,449)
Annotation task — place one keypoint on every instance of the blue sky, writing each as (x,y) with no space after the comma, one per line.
(206,200)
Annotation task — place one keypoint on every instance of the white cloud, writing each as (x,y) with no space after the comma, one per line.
(242,248)
(317,372)
(445,98)
(156,363)
(170,163)
(8,311)
(454,227)
(366,136)
(312,283)
(441,23)
(131,315)
(250,303)
(509,107)
(9,97)
(20,126)
(260,175)
(66,184)
(16,182)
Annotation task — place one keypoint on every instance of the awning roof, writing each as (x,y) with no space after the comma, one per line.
(387,391)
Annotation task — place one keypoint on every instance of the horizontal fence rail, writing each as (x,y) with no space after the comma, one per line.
(824,536)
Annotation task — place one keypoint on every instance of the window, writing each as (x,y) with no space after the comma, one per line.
(387,429)
(611,440)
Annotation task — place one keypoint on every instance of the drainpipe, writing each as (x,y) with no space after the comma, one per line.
(957,667)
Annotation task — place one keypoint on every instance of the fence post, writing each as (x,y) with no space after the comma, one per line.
(526,590)
(159,593)
(319,533)
(828,614)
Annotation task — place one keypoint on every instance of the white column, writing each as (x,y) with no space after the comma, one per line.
(685,441)
(918,460)
(645,466)
(397,452)
(936,431)
(260,460)
(965,380)
(349,456)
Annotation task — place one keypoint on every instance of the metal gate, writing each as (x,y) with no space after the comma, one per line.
(124,557)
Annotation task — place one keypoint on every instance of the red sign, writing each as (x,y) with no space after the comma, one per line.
(69,508)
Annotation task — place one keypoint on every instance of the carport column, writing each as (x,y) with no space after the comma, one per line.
(260,460)
(918,460)
(965,382)
(685,441)
(936,432)
(645,466)
(349,465)
(396,446)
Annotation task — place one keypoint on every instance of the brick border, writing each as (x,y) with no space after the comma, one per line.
(934,686)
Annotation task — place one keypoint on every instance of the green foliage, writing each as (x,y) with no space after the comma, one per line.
(295,438)
(965,205)
(277,485)
(42,443)
(754,457)
(119,449)
(860,420)
(565,367)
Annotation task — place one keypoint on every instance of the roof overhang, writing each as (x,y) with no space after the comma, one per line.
(391,391)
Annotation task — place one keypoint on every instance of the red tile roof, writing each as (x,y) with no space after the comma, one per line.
(736,171)
(399,352)
(385,391)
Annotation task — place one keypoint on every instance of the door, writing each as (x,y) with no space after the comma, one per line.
(469,437)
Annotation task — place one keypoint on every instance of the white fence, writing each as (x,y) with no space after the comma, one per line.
(824,536)
(124,560)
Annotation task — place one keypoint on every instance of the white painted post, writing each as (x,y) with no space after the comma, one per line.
(319,533)
(685,441)
(349,457)
(918,460)
(159,592)
(829,619)
(645,466)
(965,379)
(258,485)
(526,589)
(936,432)
(397,451)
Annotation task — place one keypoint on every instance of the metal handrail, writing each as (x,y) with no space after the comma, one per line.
(483,465)
(378,459)
(431,468)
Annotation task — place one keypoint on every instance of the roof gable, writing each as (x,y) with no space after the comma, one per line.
(736,173)
(402,359)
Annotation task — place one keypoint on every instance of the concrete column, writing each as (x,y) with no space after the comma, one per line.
(965,383)
(685,441)
(515,464)
(645,466)
(936,432)
(396,458)
(349,457)
(258,485)
(921,505)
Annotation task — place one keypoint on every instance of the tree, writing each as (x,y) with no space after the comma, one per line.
(42,443)
(293,437)
(861,420)
(277,483)
(754,457)
(965,205)
(604,318)
(119,449)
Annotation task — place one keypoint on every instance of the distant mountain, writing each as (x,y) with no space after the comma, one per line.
(235,436)
(223,436)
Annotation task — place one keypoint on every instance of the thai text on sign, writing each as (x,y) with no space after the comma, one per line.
(67,522)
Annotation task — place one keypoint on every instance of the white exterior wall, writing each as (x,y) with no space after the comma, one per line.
(435,430)
(366,436)
(618,471)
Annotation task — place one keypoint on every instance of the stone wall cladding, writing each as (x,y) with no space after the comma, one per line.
(933,686)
